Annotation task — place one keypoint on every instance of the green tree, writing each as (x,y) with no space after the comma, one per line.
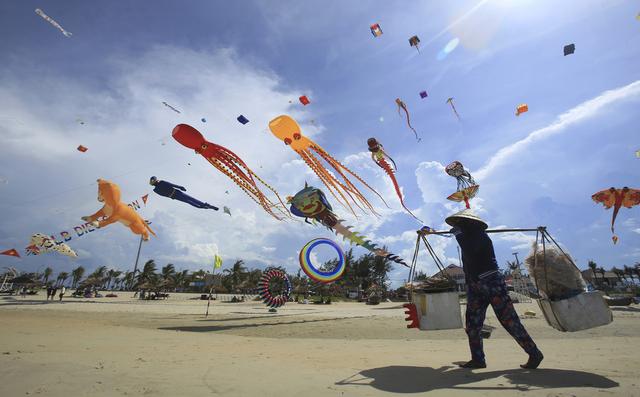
(128,280)
(47,273)
(236,274)
(62,277)
(76,275)
(168,272)
(148,272)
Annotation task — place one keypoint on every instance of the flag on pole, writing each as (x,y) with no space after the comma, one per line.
(217,263)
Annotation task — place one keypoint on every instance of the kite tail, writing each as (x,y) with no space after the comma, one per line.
(613,219)
(356,238)
(409,123)
(455,112)
(387,168)
(337,165)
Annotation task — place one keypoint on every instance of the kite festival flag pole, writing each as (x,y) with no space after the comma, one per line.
(135,267)
(216,264)
(213,275)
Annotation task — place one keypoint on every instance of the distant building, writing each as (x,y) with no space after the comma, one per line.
(456,273)
(609,279)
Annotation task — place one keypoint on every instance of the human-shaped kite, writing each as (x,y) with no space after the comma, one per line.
(175,192)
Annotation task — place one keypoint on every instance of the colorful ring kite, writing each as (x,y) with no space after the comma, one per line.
(264,290)
(312,271)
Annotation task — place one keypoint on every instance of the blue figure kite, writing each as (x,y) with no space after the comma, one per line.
(168,189)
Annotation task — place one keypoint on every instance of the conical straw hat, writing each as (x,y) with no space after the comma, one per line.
(466,214)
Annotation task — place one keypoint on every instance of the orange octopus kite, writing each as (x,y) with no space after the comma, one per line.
(616,198)
(286,129)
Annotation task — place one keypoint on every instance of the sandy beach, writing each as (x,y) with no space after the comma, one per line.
(127,347)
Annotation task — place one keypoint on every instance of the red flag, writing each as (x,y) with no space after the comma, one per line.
(11,252)
(82,148)
(304,100)
(144,199)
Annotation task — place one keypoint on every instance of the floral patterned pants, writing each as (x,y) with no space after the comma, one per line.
(493,291)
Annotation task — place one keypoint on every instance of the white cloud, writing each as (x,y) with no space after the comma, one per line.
(578,114)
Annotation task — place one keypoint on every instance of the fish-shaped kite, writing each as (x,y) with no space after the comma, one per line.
(617,198)
(311,202)
(53,22)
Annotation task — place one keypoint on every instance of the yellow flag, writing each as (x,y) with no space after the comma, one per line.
(217,263)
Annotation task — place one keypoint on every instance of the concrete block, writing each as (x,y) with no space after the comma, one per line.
(440,310)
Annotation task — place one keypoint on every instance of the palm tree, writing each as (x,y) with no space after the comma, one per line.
(253,278)
(236,273)
(98,276)
(112,275)
(180,279)
(594,268)
(128,280)
(47,273)
(168,271)
(617,272)
(76,275)
(62,277)
(148,271)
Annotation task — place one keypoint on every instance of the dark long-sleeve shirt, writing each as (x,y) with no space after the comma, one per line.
(478,256)
(166,189)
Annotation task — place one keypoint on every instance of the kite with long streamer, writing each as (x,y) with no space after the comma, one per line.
(380,157)
(403,106)
(453,107)
(230,164)
(617,198)
(311,202)
(172,108)
(53,22)
(286,129)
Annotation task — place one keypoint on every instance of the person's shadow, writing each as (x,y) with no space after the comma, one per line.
(405,379)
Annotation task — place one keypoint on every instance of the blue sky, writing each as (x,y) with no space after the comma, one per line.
(216,60)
